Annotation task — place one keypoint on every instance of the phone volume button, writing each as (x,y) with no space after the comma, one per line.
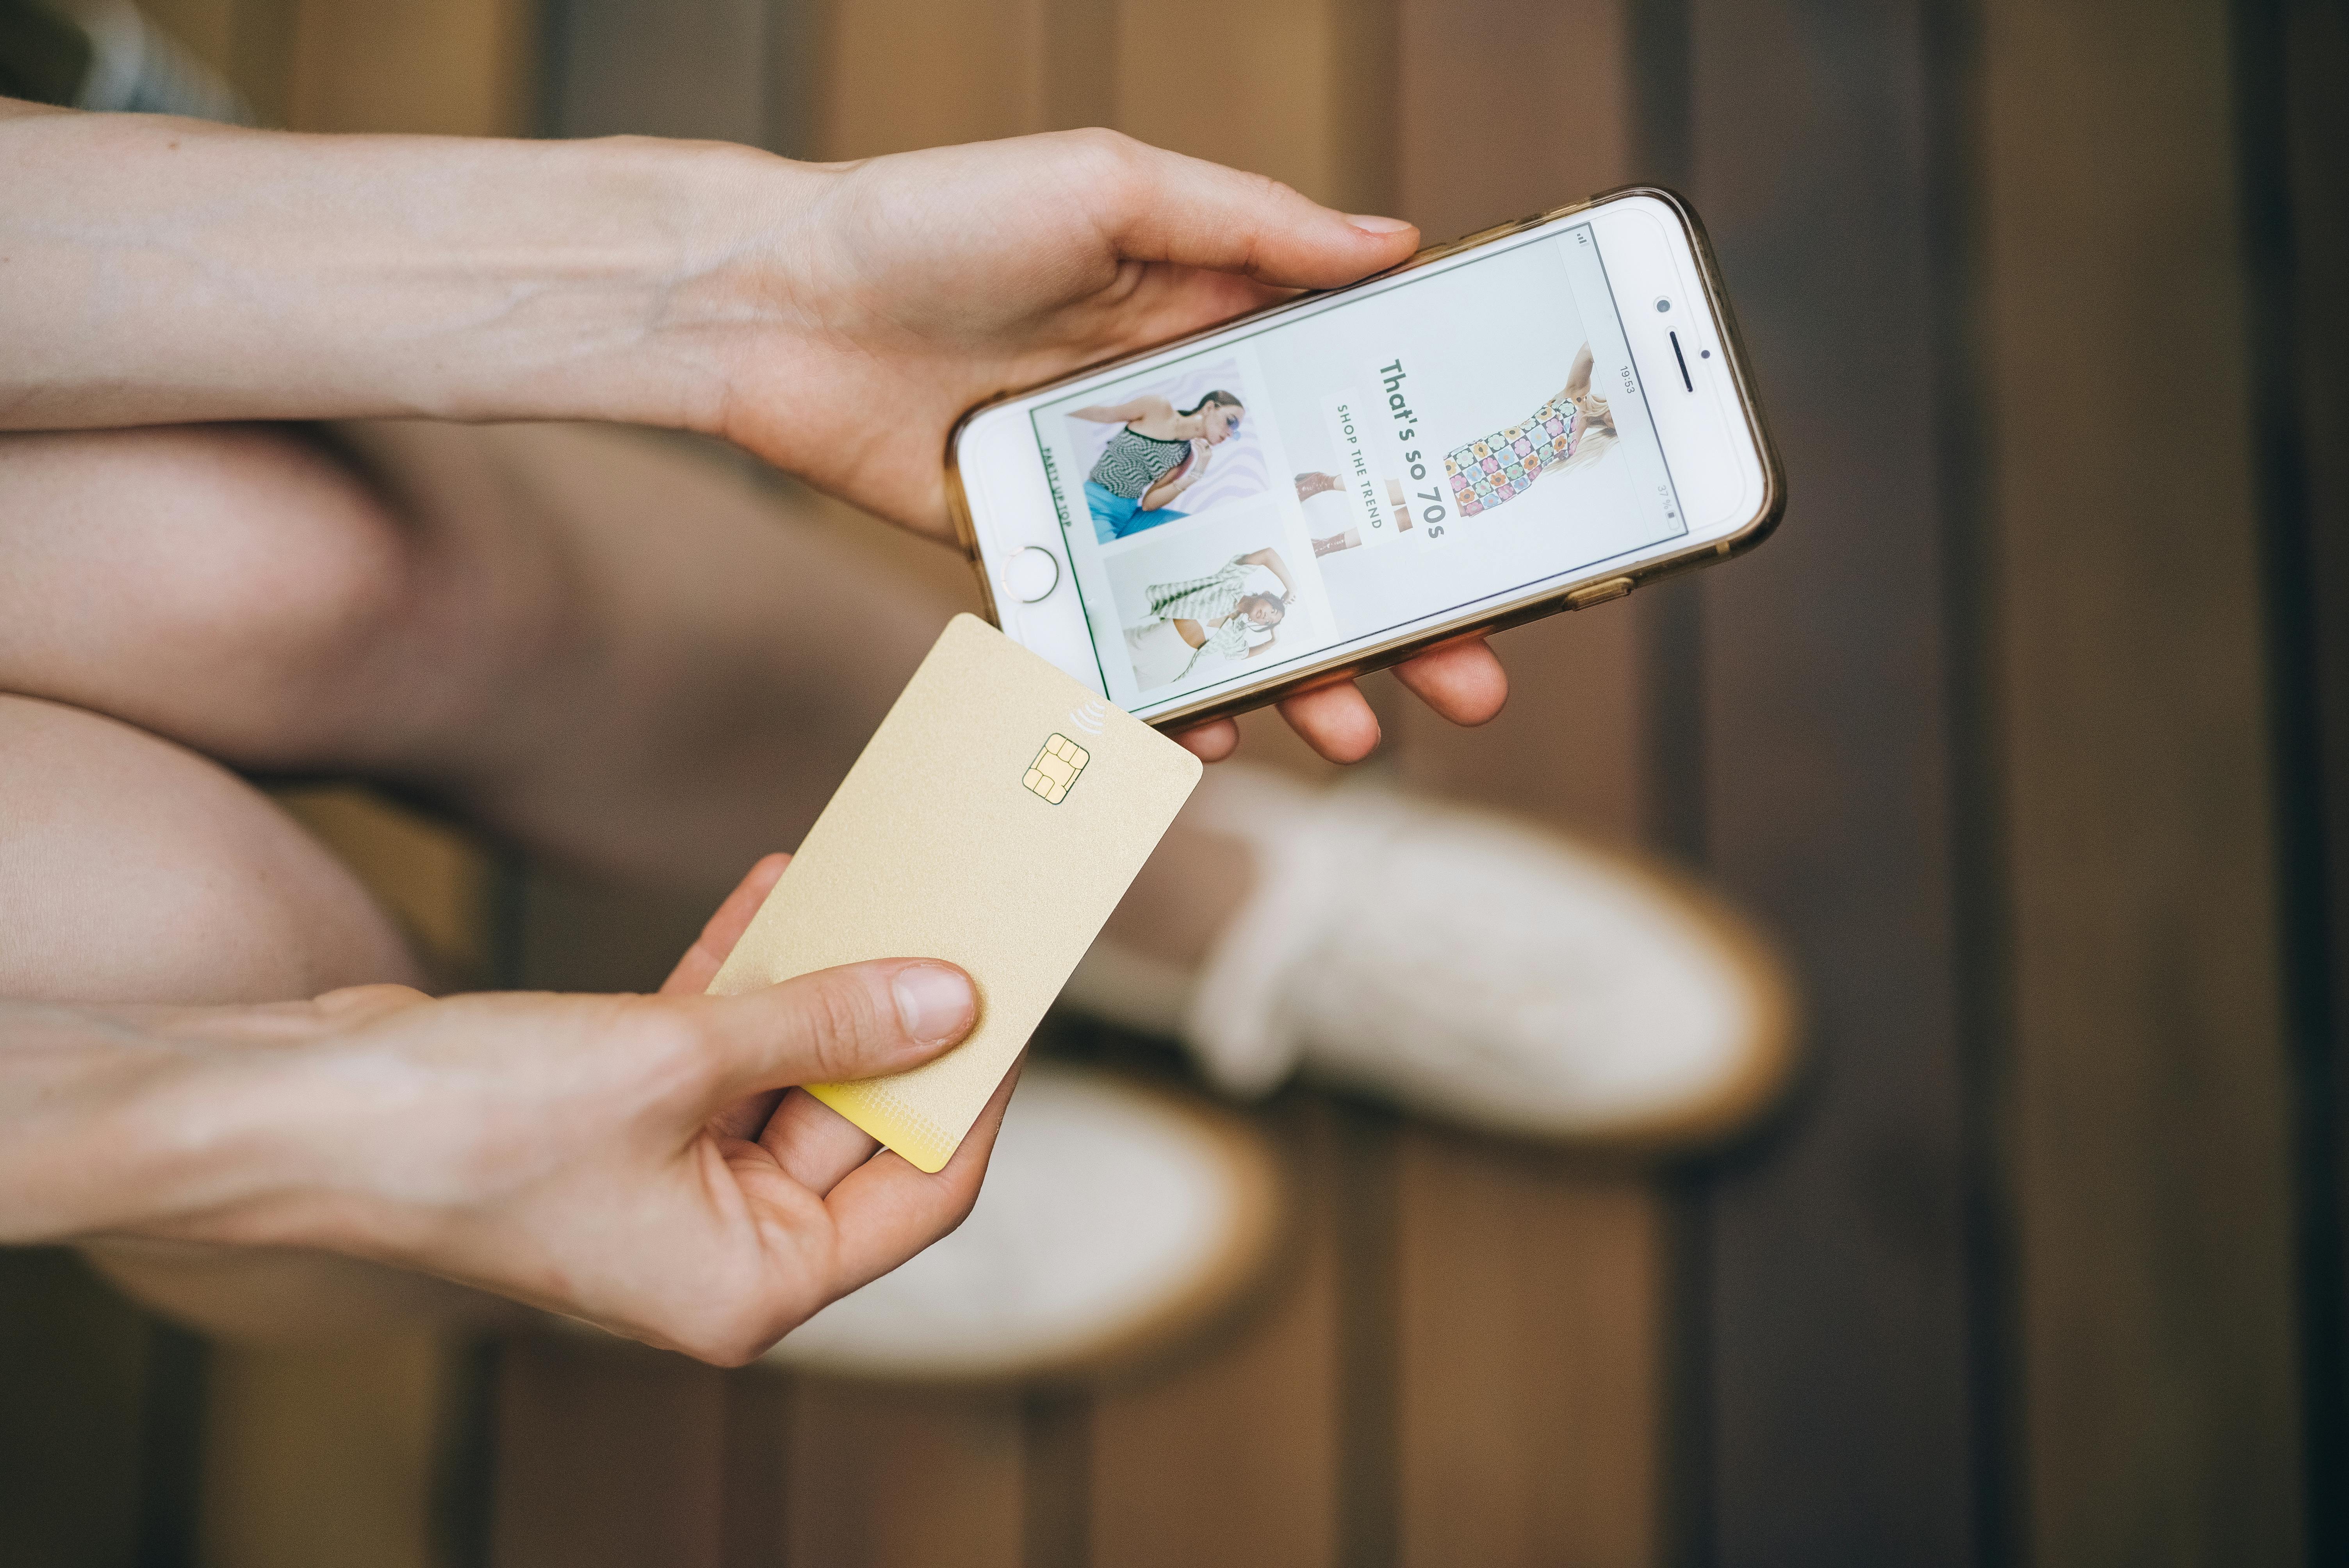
(1599,593)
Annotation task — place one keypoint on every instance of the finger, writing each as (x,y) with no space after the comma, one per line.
(700,964)
(702,961)
(1336,720)
(1211,741)
(815,1145)
(744,1118)
(857,1021)
(885,1210)
(1465,682)
(1170,208)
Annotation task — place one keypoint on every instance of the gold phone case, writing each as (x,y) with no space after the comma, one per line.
(1601,586)
(994,820)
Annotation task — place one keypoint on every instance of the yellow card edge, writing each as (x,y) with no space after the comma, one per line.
(871,1105)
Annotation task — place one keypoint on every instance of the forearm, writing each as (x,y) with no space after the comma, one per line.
(111,1126)
(117,1137)
(167,269)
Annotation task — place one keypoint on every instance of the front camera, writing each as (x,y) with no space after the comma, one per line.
(1662,305)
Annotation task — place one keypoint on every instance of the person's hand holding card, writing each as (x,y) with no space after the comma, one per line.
(994,820)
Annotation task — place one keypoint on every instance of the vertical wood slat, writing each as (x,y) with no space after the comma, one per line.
(1078,44)
(1836,1325)
(754,1524)
(928,72)
(699,68)
(456,67)
(76,1361)
(1531,1329)
(606,1456)
(2309,327)
(2150,1094)
(323,1455)
(1531,1294)
(883,1477)
(1275,106)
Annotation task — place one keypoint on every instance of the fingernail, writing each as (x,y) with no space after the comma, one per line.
(934,1002)
(1374,225)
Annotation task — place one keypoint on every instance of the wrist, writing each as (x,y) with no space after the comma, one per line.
(179,1123)
(110,1127)
(625,288)
(739,293)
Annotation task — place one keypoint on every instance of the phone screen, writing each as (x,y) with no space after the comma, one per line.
(1384,459)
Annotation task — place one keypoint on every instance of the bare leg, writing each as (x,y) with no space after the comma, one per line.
(618,652)
(610,646)
(132,870)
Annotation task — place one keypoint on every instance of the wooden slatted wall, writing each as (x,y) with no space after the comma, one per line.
(1833,1265)
(2151,1135)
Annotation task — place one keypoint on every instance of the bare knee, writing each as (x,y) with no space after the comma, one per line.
(220,584)
(132,870)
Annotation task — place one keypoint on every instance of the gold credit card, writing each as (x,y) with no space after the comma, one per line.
(994,820)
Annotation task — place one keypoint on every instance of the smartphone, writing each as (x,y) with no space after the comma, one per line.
(1537,418)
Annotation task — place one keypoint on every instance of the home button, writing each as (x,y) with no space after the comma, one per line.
(1032,575)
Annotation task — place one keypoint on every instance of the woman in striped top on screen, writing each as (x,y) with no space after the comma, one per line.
(1160,453)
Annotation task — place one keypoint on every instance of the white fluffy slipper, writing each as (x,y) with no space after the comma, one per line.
(1116,1220)
(1471,967)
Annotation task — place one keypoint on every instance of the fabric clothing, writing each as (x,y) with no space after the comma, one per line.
(1505,464)
(1205,599)
(1118,516)
(1132,462)
(1160,655)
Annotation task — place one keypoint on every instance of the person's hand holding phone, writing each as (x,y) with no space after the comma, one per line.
(833,319)
(892,294)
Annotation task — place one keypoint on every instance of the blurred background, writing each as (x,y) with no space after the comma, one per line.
(2027,736)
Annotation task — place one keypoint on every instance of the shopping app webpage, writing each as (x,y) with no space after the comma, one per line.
(1443,441)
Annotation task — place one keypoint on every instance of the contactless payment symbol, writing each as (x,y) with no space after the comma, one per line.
(1056,768)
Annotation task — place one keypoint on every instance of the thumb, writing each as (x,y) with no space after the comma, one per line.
(1170,208)
(858,1021)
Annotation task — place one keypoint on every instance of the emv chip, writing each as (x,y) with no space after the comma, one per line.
(1056,769)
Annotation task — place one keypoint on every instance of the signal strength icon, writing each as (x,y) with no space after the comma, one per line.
(1089,717)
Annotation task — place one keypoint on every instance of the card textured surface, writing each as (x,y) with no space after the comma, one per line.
(994,820)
